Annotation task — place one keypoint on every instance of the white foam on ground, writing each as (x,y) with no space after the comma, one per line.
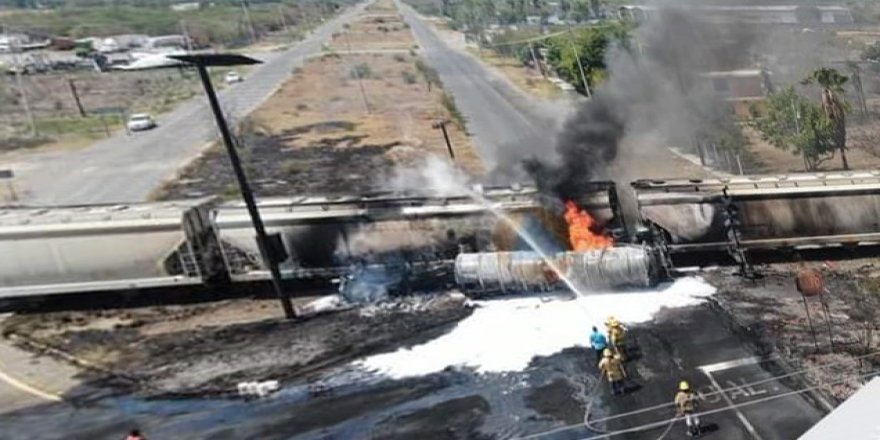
(505,334)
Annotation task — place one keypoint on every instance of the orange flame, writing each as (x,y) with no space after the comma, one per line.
(580,230)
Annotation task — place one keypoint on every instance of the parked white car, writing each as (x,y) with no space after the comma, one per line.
(233,77)
(140,121)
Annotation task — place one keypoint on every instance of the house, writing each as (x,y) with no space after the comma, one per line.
(740,88)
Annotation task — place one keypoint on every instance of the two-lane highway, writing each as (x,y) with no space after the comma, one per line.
(127,168)
(503,121)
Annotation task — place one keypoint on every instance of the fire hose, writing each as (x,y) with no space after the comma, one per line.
(581,394)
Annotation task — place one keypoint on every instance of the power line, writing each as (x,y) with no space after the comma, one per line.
(544,37)
(724,390)
(749,384)
(529,40)
(660,423)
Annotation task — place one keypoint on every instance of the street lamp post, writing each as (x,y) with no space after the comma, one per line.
(270,250)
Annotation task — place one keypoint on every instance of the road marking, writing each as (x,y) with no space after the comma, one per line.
(15,383)
(727,365)
(742,418)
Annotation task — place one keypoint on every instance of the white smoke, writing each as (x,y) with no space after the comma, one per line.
(435,176)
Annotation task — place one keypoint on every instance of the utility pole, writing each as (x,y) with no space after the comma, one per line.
(250,23)
(442,126)
(535,59)
(857,84)
(284,21)
(186,40)
(357,73)
(25,102)
(577,57)
(75,93)
(797,130)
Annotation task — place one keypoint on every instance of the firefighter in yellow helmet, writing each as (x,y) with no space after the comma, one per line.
(686,405)
(616,336)
(612,369)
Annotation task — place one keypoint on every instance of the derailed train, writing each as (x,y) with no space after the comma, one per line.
(202,242)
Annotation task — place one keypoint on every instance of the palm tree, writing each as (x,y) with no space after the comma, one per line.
(831,81)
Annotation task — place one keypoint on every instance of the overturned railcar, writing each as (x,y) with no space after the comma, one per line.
(204,242)
(773,211)
(323,235)
(157,243)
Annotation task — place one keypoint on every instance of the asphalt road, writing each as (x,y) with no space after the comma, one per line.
(503,121)
(127,168)
(692,344)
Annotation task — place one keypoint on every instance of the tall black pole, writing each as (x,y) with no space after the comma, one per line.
(75,93)
(446,138)
(262,241)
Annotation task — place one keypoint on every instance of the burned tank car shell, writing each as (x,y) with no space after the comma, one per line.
(773,211)
(322,232)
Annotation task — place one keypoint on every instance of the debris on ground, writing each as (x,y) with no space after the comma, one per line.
(208,349)
(829,335)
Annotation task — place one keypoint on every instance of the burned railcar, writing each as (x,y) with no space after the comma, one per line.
(769,211)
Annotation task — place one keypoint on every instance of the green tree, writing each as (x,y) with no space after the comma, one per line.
(833,104)
(794,123)
(591,45)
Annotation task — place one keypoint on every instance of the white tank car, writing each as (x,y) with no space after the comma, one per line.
(94,244)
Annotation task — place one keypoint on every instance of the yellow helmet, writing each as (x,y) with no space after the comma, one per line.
(684,386)
(612,321)
(606,352)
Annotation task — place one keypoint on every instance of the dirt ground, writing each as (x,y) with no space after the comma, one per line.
(767,159)
(206,349)
(526,78)
(773,311)
(380,28)
(323,133)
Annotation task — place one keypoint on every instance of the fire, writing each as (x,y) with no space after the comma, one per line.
(580,230)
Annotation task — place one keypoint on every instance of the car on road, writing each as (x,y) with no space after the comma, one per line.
(140,122)
(233,77)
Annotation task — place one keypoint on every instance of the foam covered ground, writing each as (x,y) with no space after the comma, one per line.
(504,334)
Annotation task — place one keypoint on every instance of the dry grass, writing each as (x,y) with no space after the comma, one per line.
(769,159)
(399,112)
(525,78)
(401,108)
(379,28)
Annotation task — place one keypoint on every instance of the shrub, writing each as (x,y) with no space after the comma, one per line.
(409,77)
(448,102)
(361,70)
(428,72)
(294,166)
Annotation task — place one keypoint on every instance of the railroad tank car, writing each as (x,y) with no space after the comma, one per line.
(774,211)
(322,232)
(82,244)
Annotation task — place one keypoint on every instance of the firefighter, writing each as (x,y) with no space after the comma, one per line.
(611,367)
(598,342)
(617,336)
(686,405)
